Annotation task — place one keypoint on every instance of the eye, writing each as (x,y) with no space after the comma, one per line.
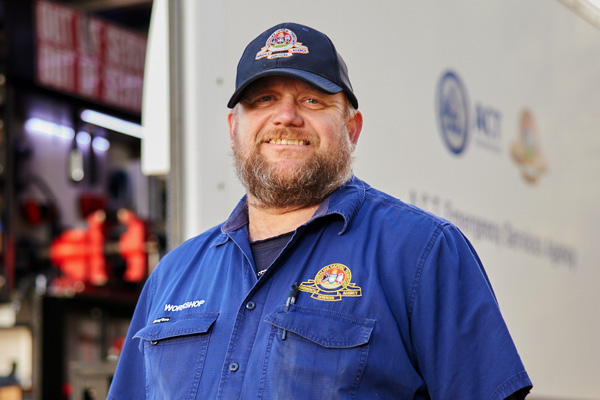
(260,100)
(314,103)
(264,99)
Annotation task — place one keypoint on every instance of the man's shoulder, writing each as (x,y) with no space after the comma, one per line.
(362,205)
(208,236)
(187,250)
(387,206)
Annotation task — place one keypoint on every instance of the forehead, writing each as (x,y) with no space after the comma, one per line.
(282,83)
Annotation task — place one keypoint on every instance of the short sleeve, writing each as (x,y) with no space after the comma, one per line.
(460,340)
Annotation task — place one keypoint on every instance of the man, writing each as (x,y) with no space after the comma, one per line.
(317,286)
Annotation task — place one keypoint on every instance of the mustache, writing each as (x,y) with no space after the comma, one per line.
(288,134)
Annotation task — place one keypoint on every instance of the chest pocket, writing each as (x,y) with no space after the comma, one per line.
(174,353)
(323,356)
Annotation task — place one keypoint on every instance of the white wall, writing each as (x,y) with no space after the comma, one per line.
(511,55)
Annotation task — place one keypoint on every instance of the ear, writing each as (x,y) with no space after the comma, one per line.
(355,124)
(232,121)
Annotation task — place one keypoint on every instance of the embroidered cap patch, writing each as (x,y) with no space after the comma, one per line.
(332,283)
(282,43)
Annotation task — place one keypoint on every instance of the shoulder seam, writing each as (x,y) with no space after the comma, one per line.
(425,255)
(418,273)
(400,204)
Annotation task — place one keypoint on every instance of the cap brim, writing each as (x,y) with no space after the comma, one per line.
(317,81)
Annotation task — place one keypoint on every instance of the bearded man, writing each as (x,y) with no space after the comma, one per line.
(317,286)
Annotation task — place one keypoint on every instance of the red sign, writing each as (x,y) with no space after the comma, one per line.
(88,56)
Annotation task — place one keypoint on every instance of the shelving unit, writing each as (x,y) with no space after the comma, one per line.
(73,330)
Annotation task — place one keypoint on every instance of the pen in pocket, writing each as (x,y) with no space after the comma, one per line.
(291,299)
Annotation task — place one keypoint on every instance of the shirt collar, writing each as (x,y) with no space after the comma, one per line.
(344,201)
(238,218)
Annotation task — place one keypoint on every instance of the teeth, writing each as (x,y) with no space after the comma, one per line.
(287,142)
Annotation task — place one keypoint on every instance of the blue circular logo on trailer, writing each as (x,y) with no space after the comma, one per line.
(453,112)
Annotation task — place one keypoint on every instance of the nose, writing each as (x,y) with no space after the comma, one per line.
(286,113)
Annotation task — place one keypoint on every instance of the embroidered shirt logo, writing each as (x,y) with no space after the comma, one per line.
(282,43)
(160,320)
(180,307)
(332,283)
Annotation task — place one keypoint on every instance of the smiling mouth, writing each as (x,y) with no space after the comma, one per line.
(293,142)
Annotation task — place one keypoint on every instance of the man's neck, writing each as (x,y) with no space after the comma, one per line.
(268,222)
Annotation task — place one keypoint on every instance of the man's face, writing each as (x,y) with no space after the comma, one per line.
(292,143)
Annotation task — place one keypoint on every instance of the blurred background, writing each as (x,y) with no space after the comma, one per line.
(80,223)
(114,148)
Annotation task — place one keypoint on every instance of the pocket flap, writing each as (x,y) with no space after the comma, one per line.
(190,325)
(327,328)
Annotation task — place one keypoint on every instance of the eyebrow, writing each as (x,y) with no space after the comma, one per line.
(253,91)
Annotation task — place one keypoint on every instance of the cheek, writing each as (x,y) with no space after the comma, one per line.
(248,133)
(243,145)
(333,134)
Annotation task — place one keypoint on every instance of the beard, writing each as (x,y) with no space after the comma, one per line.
(307,185)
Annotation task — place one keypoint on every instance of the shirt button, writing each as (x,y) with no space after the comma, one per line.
(234,366)
(251,305)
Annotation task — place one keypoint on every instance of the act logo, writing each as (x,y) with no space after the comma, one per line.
(459,123)
(453,112)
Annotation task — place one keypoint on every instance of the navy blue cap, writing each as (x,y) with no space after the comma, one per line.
(295,51)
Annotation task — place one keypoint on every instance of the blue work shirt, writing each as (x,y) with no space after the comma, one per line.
(393,303)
